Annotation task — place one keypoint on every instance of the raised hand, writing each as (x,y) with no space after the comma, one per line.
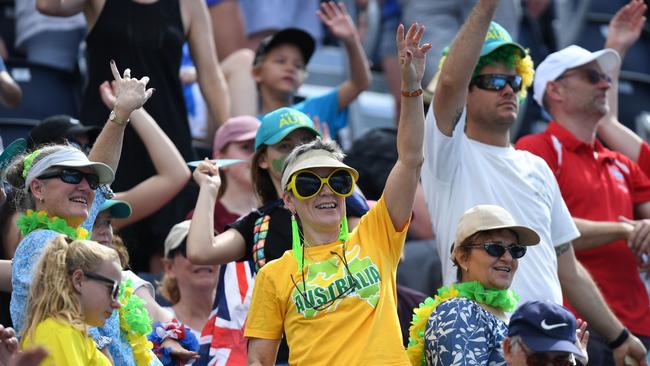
(625,27)
(411,55)
(107,93)
(337,20)
(582,339)
(207,171)
(130,94)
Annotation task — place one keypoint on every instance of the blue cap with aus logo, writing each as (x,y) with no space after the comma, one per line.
(278,124)
(545,327)
(497,37)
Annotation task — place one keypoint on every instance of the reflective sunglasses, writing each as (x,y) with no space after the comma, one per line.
(73,176)
(306,184)
(497,249)
(115,291)
(497,82)
(593,76)
(543,359)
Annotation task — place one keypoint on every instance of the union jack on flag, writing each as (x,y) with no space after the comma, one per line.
(222,340)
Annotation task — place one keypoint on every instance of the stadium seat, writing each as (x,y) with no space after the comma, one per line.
(46,91)
(14,128)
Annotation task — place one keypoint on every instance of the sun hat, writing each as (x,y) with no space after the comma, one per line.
(492,217)
(568,58)
(176,236)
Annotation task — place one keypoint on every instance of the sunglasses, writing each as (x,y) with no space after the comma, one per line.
(497,82)
(115,291)
(351,281)
(74,176)
(306,184)
(497,249)
(543,359)
(593,76)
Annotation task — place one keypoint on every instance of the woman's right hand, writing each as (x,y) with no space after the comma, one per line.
(131,93)
(207,172)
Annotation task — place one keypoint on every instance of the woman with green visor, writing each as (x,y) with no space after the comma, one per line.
(333,295)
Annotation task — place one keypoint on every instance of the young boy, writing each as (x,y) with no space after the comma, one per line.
(279,69)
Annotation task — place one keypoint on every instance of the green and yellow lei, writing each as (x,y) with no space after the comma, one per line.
(505,300)
(31,221)
(135,324)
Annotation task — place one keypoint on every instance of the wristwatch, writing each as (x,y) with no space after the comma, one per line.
(113,118)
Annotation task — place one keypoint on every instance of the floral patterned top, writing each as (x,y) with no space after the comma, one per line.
(460,332)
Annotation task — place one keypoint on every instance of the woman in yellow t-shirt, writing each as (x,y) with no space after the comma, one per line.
(333,294)
(75,285)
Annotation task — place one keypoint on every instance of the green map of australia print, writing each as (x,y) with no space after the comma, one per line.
(327,280)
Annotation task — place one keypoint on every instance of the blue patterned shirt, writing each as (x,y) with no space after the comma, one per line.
(460,332)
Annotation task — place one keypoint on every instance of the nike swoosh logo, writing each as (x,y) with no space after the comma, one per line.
(552,326)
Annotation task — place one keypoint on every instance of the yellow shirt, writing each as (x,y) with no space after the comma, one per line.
(360,328)
(65,345)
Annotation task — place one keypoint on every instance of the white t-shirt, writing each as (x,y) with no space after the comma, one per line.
(459,173)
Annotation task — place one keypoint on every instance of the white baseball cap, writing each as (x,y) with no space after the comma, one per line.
(567,58)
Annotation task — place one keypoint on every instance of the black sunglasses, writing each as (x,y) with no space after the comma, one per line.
(593,76)
(497,249)
(115,291)
(73,176)
(350,280)
(497,82)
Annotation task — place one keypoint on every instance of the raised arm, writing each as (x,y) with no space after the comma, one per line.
(62,8)
(10,92)
(451,91)
(171,171)
(202,246)
(210,76)
(339,22)
(624,30)
(403,179)
(131,94)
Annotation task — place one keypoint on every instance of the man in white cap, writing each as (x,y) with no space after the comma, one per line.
(469,160)
(603,189)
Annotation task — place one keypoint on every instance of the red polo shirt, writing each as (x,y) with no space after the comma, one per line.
(600,185)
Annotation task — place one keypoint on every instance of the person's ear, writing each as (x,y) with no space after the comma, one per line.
(37,188)
(77,278)
(554,91)
(288,198)
(263,161)
(256,71)
(168,267)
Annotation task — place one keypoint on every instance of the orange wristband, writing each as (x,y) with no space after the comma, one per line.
(415,93)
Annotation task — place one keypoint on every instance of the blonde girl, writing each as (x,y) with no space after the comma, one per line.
(76,284)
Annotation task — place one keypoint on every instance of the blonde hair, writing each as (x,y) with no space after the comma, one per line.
(169,289)
(52,294)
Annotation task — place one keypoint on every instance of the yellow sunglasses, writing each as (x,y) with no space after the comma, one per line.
(306,184)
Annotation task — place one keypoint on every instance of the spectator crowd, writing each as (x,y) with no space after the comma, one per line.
(195,205)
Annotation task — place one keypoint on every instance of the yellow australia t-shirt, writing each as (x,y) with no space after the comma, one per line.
(65,345)
(361,326)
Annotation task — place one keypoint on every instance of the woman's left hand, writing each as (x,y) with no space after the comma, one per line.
(411,55)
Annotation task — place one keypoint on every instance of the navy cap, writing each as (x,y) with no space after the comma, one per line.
(299,38)
(545,327)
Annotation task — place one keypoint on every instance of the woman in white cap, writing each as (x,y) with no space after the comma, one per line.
(467,320)
(59,189)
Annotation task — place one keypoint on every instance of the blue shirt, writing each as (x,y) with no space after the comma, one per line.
(460,332)
(326,108)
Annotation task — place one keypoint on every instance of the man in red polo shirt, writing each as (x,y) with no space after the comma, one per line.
(600,187)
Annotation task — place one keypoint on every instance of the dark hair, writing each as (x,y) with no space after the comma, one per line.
(262,181)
